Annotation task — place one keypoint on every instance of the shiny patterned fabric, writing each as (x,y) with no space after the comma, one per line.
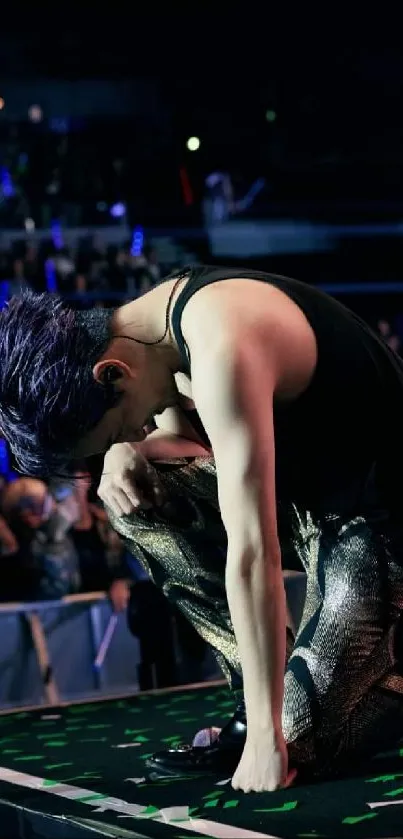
(183,549)
(342,684)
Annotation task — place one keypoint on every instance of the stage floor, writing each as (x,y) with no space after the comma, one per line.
(79,771)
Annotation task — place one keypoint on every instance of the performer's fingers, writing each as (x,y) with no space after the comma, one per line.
(154,488)
(121,504)
(135,496)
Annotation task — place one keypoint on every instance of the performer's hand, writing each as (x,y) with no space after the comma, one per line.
(263,766)
(128,481)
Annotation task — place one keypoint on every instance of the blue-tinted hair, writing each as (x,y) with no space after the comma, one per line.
(49,399)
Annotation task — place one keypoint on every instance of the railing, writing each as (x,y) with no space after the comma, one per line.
(65,638)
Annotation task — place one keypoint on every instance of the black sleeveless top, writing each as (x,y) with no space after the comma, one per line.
(349,419)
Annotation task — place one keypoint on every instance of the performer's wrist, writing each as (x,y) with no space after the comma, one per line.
(263,720)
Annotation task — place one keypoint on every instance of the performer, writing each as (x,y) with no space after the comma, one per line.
(301,405)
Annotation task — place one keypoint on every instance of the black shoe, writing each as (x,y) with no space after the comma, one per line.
(222,757)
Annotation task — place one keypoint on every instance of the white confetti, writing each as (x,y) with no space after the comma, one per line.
(126,745)
(374,804)
(222,783)
(136,780)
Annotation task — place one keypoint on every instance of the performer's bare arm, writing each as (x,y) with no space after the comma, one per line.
(174,421)
(233,387)
(163,444)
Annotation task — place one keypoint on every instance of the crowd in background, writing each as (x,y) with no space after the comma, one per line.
(55,540)
(90,267)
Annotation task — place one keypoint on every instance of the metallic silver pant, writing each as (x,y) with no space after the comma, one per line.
(343,690)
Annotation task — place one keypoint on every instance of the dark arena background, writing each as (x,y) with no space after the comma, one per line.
(132,143)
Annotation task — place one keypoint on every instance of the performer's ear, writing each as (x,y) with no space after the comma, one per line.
(109,373)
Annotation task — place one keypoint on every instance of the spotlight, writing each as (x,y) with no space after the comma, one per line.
(193,143)
(2,103)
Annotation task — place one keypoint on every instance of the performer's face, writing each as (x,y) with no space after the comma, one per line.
(143,392)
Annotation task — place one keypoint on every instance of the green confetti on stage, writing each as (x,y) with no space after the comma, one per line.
(394,792)
(101,725)
(47,783)
(26,758)
(187,697)
(164,705)
(83,776)
(11,751)
(43,723)
(58,765)
(229,804)
(215,794)
(129,731)
(57,744)
(383,779)
(12,739)
(213,803)
(74,728)
(174,739)
(285,808)
(190,719)
(95,796)
(150,811)
(84,709)
(357,819)
(94,740)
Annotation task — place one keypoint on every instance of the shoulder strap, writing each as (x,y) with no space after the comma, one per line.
(200,276)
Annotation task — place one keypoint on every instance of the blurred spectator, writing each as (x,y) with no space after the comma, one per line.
(218,203)
(32,271)
(153,266)
(99,548)
(46,565)
(64,265)
(17,282)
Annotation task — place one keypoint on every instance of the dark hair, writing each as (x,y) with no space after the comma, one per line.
(49,399)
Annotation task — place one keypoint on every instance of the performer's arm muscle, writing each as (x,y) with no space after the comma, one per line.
(233,392)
